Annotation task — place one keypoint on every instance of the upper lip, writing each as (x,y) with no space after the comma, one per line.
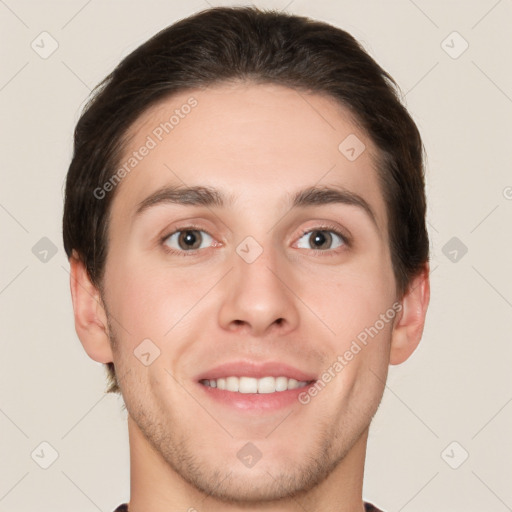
(256,370)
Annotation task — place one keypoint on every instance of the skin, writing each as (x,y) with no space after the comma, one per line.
(259,144)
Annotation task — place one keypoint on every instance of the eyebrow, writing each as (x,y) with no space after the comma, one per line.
(212,197)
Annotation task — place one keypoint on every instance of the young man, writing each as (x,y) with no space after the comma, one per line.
(245,223)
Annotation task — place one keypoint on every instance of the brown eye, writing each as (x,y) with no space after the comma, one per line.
(321,239)
(187,240)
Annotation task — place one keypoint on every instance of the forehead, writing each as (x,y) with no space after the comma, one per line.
(256,142)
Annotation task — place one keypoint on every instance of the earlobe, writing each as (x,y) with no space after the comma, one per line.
(90,317)
(408,327)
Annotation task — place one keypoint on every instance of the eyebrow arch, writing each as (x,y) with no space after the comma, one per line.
(314,196)
(212,197)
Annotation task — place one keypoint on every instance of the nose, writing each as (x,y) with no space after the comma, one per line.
(258,297)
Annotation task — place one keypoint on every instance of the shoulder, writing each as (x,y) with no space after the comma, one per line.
(368,507)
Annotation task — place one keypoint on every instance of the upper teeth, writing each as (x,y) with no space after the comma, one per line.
(252,385)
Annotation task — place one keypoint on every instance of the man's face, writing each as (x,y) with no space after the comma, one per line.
(244,284)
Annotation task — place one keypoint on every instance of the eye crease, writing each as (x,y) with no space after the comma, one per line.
(188,239)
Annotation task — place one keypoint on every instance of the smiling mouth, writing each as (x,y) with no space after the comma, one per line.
(254,385)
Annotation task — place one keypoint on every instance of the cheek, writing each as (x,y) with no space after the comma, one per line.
(357,306)
(140,300)
(351,299)
(160,303)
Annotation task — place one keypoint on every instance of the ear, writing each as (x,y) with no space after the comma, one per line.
(90,317)
(409,323)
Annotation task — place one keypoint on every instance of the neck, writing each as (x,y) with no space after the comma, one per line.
(157,487)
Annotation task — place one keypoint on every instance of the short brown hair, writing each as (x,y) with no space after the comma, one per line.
(224,44)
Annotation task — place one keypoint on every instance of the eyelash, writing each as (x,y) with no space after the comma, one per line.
(317,252)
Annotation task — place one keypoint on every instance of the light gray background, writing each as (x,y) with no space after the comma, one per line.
(456,387)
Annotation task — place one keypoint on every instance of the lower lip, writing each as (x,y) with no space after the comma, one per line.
(260,402)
